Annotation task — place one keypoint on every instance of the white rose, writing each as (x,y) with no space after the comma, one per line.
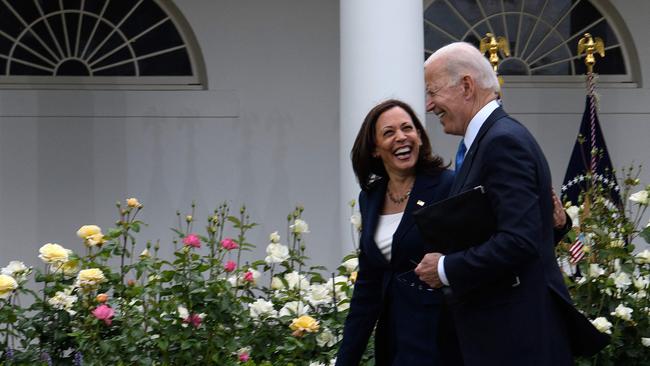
(274,237)
(296,280)
(262,308)
(574,214)
(63,300)
(276,283)
(234,281)
(595,270)
(319,294)
(343,306)
(645,341)
(276,253)
(183,313)
(326,338)
(640,197)
(622,312)
(355,220)
(602,324)
(294,308)
(641,282)
(299,227)
(14,269)
(337,284)
(622,280)
(643,257)
(351,264)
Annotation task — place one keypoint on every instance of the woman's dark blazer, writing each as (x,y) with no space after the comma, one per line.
(406,317)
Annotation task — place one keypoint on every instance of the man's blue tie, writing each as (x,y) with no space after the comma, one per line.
(460,155)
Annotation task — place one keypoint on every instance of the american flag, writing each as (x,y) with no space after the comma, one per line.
(577,250)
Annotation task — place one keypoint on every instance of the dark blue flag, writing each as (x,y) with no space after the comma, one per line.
(590,138)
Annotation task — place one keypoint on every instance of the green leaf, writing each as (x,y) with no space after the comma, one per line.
(645,234)
(163,344)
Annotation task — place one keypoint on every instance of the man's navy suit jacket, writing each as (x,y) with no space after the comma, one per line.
(510,304)
(404,315)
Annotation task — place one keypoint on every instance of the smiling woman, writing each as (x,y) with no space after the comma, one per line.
(397,171)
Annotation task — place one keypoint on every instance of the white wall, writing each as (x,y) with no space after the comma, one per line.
(265,134)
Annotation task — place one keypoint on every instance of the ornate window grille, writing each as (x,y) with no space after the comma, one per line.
(542,35)
(112,43)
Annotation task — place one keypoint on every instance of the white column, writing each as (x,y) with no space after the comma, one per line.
(382,56)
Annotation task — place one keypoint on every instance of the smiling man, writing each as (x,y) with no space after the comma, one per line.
(507,296)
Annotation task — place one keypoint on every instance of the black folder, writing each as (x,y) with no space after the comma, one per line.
(458,222)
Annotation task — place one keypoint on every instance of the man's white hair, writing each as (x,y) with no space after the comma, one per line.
(462,58)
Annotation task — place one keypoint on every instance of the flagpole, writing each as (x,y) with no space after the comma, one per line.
(590,46)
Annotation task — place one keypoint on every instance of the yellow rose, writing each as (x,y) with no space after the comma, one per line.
(69,268)
(53,253)
(353,277)
(95,240)
(87,231)
(133,202)
(90,277)
(7,285)
(304,324)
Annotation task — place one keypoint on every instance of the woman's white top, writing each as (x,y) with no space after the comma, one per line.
(386,228)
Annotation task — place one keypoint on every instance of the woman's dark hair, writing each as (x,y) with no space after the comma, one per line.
(368,168)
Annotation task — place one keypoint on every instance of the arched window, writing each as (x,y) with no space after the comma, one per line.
(97,42)
(542,35)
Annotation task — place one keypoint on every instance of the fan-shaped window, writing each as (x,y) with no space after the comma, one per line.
(542,34)
(108,42)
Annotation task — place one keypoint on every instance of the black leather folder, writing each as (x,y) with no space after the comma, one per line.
(458,222)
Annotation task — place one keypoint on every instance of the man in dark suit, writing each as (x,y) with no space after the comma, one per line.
(507,296)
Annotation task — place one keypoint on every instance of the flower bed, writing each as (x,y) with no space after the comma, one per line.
(206,305)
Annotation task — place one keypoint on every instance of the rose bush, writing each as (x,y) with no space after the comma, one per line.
(205,305)
(610,284)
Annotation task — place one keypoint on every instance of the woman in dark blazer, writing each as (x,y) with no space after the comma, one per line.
(397,172)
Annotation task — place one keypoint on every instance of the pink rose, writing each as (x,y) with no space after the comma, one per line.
(229,244)
(105,313)
(248,277)
(192,240)
(230,266)
(193,319)
(243,357)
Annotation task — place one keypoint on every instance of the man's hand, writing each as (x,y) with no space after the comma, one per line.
(427,270)
(559,215)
